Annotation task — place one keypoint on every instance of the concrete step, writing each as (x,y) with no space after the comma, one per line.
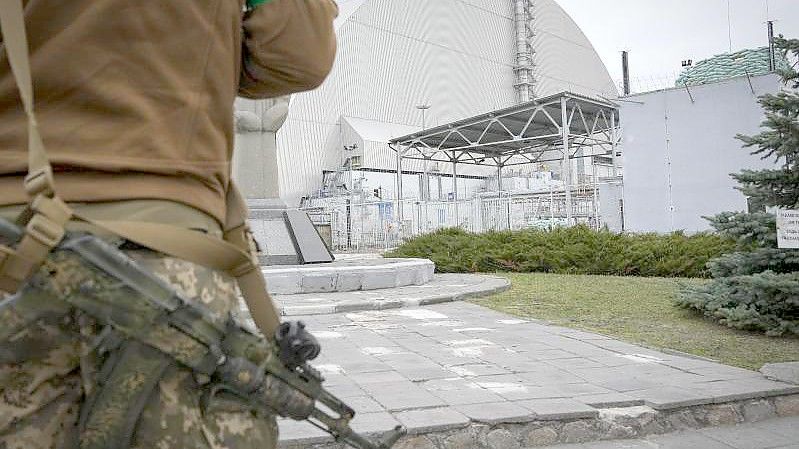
(347,275)
(440,288)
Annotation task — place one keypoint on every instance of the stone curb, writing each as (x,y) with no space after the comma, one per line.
(610,424)
(348,276)
(491,285)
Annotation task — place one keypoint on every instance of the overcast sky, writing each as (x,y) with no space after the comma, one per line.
(661,33)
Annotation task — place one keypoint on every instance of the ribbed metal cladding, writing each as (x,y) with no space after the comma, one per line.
(564,57)
(458,56)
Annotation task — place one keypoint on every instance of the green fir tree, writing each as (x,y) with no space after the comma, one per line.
(757,286)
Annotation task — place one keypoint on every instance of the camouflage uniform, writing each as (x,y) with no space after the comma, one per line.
(40,398)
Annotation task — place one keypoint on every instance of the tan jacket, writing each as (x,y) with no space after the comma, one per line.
(135,99)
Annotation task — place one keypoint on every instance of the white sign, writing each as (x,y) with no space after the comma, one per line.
(787,228)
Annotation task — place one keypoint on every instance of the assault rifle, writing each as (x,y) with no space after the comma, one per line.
(97,278)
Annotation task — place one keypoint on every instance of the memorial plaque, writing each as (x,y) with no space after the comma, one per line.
(788,228)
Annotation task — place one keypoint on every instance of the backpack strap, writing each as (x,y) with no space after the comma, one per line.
(46,216)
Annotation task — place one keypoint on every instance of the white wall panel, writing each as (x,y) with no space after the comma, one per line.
(678,154)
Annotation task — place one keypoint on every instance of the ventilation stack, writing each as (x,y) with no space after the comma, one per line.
(525,80)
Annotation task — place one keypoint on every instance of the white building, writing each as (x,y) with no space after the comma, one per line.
(460,57)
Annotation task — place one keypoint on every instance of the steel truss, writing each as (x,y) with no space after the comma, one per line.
(554,128)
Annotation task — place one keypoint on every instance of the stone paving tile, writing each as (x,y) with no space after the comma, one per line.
(460,392)
(432,419)
(364,404)
(668,398)
(301,432)
(610,400)
(629,384)
(477,369)
(548,375)
(686,440)
(575,363)
(352,364)
(787,427)
(525,392)
(495,412)
(345,391)
(556,409)
(377,377)
(581,389)
(749,437)
(374,422)
(722,372)
(403,395)
(732,390)
(785,372)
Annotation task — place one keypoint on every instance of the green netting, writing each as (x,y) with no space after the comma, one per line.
(750,62)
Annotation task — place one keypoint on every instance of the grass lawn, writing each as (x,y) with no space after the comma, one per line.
(638,310)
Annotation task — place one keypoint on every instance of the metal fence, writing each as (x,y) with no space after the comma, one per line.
(358,226)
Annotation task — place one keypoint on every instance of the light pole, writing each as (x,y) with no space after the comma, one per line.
(424,191)
(424,194)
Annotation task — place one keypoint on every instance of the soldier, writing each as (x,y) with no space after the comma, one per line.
(135,104)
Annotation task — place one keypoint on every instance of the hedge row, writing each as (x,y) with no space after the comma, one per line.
(575,250)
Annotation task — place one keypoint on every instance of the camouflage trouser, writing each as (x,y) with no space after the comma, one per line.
(40,398)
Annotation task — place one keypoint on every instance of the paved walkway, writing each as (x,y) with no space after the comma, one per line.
(446,366)
(781,433)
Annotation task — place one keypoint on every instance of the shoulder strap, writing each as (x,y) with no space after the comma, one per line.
(45,217)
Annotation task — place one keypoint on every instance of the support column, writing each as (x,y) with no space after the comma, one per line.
(499,177)
(399,184)
(614,137)
(499,193)
(595,204)
(424,193)
(455,188)
(567,166)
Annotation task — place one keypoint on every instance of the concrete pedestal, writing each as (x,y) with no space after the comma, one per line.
(285,236)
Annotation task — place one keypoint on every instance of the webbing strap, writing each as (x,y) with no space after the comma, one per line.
(12,23)
(208,251)
(45,218)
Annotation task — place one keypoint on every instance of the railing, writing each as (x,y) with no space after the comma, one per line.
(357,226)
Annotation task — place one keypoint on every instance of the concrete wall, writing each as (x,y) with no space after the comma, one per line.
(678,154)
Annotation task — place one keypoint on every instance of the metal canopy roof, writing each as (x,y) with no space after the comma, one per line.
(522,134)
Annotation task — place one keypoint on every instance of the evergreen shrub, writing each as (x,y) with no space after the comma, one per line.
(756,287)
(576,250)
